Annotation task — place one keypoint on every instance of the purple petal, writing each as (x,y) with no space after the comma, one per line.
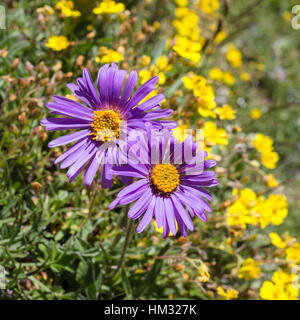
(53,124)
(159,211)
(133,187)
(141,93)
(70,110)
(73,157)
(129,85)
(90,87)
(150,103)
(147,216)
(79,164)
(197,192)
(183,213)
(76,91)
(102,84)
(140,206)
(91,170)
(69,138)
(72,149)
(106,178)
(169,210)
(118,85)
(152,115)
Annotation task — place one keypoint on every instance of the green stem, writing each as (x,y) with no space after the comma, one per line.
(126,245)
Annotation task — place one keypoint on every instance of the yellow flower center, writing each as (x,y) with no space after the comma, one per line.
(165,177)
(106,125)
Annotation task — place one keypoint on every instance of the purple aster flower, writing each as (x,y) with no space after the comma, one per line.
(171,190)
(98,121)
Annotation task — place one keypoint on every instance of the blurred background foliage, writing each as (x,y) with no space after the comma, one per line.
(58,240)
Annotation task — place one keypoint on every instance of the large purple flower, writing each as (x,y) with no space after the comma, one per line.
(170,187)
(99,120)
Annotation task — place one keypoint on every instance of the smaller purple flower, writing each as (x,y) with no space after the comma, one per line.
(172,190)
(98,120)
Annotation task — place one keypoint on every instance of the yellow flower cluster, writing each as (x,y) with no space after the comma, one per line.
(214,135)
(58,43)
(188,40)
(228,294)
(226,112)
(67,8)
(217,74)
(203,92)
(186,23)
(278,242)
(249,270)
(280,288)
(204,275)
(292,248)
(264,145)
(250,209)
(270,181)
(255,113)
(109,7)
(106,55)
(293,253)
(245,76)
(220,36)
(234,56)
(209,6)
(158,69)
(178,132)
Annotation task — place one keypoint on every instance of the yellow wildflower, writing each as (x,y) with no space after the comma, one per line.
(162,63)
(277,203)
(156,24)
(228,294)
(226,112)
(220,36)
(109,55)
(216,73)
(255,113)
(214,135)
(234,56)
(67,8)
(145,60)
(203,92)
(228,78)
(209,6)
(182,3)
(280,288)
(204,274)
(156,70)
(242,212)
(269,159)
(178,133)
(270,181)
(249,270)
(250,209)
(188,49)
(277,241)
(245,76)
(293,253)
(262,143)
(57,43)
(186,24)
(109,7)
